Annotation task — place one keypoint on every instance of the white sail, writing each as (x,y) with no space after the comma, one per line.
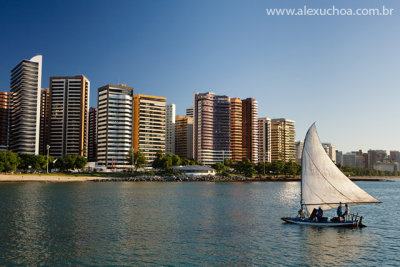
(323,184)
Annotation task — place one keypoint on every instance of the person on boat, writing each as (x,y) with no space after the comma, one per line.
(320,213)
(301,213)
(339,211)
(346,211)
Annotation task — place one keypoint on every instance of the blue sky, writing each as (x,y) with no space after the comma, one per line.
(340,71)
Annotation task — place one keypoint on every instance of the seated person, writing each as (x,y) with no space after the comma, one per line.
(313,214)
(301,214)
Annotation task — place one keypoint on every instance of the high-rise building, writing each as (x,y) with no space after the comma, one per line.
(283,145)
(395,156)
(4,120)
(249,129)
(149,125)
(353,160)
(264,140)
(330,150)
(236,130)
(114,126)
(69,117)
(339,157)
(25,88)
(45,108)
(170,129)
(92,142)
(299,151)
(184,137)
(189,112)
(211,128)
(375,156)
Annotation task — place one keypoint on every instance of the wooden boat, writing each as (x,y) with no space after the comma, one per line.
(324,185)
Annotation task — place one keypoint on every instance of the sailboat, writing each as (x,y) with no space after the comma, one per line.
(324,185)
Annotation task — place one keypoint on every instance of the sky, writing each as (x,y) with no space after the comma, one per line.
(341,72)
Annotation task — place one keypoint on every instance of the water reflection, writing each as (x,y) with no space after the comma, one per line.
(181,224)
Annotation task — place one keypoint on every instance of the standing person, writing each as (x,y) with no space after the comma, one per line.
(346,211)
(320,213)
(339,211)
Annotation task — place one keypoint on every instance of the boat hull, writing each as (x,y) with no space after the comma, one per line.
(348,224)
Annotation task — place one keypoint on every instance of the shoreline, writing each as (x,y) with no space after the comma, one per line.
(66,178)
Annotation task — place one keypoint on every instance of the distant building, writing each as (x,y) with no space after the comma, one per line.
(211,128)
(330,151)
(387,166)
(395,156)
(25,88)
(249,129)
(375,156)
(114,126)
(264,140)
(189,112)
(184,137)
(353,160)
(92,143)
(194,170)
(149,125)
(283,146)
(4,120)
(339,157)
(236,130)
(69,117)
(45,110)
(299,151)
(170,129)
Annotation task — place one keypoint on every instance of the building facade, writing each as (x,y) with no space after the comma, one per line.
(92,142)
(330,151)
(211,128)
(264,140)
(114,126)
(236,130)
(69,116)
(375,156)
(249,129)
(4,120)
(189,112)
(170,129)
(184,137)
(25,88)
(149,125)
(283,146)
(45,108)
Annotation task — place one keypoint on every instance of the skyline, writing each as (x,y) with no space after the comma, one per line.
(339,72)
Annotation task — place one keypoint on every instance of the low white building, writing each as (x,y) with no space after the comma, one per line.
(194,170)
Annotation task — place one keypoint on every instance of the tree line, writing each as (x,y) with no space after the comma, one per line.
(11,161)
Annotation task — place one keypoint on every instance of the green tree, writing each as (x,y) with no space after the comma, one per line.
(129,158)
(8,161)
(176,160)
(139,160)
(228,162)
(158,161)
(219,167)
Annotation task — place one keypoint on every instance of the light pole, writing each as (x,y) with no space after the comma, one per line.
(48,149)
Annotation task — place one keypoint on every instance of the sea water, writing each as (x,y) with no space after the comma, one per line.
(175,224)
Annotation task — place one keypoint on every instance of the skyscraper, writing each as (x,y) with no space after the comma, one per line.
(25,86)
(249,129)
(92,143)
(170,129)
(114,126)
(149,125)
(330,150)
(283,145)
(211,128)
(184,137)
(264,140)
(45,108)
(69,117)
(189,112)
(4,120)
(236,130)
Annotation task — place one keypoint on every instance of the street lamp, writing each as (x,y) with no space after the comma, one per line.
(48,149)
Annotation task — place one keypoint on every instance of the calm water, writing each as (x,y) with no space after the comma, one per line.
(186,224)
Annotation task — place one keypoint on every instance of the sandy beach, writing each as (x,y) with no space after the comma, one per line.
(46,178)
